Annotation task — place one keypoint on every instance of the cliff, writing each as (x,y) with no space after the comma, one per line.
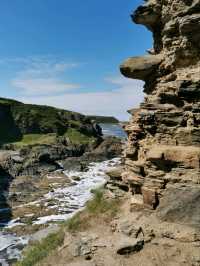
(104,119)
(18,119)
(163,150)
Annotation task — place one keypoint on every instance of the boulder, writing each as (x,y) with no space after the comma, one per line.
(140,67)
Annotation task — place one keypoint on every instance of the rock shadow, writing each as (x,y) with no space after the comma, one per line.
(9,131)
(5,209)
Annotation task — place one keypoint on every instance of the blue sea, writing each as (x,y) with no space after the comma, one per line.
(113,130)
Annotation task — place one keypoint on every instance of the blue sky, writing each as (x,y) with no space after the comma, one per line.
(67,54)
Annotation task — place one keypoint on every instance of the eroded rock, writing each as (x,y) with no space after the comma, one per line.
(163,146)
(140,67)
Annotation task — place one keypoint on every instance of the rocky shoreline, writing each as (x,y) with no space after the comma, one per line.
(31,171)
(46,184)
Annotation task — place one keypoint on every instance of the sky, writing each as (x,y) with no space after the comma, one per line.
(67,54)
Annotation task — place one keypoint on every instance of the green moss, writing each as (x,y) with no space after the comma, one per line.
(37,139)
(41,250)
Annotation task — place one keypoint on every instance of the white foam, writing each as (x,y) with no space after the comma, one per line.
(67,201)
(10,246)
(72,198)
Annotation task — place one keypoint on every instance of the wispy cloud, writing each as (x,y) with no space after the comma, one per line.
(127,94)
(45,80)
(42,86)
(41,76)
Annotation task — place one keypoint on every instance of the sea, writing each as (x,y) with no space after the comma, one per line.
(113,130)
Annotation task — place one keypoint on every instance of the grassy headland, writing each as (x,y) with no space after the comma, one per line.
(25,124)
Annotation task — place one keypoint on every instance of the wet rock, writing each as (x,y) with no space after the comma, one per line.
(115,173)
(76,178)
(73,164)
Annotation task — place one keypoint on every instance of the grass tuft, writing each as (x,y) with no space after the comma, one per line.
(41,250)
(99,207)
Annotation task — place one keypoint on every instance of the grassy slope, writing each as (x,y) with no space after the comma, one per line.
(74,136)
(25,124)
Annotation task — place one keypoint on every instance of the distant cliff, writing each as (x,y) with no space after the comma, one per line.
(104,119)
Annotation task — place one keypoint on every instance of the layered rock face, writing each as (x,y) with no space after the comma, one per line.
(163,147)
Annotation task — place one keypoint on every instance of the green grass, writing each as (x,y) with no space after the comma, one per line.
(41,250)
(33,139)
(77,137)
(27,123)
(75,223)
(98,207)
(36,139)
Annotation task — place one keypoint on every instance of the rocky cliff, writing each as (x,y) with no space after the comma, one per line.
(163,150)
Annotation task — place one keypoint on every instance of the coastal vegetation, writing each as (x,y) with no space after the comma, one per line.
(41,250)
(25,124)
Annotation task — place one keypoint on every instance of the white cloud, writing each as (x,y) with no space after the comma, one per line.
(42,86)
(42,80)
(116,102)
(41,76)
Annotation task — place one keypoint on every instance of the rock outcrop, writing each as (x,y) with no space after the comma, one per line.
(163,150)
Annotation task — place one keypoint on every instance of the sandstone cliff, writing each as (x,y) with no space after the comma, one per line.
(163,150)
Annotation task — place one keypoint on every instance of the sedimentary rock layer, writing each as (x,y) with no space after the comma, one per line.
(163,147)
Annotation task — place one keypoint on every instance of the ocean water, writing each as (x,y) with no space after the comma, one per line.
(113,130)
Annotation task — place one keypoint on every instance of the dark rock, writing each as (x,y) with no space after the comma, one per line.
(189,90)
(128,246)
